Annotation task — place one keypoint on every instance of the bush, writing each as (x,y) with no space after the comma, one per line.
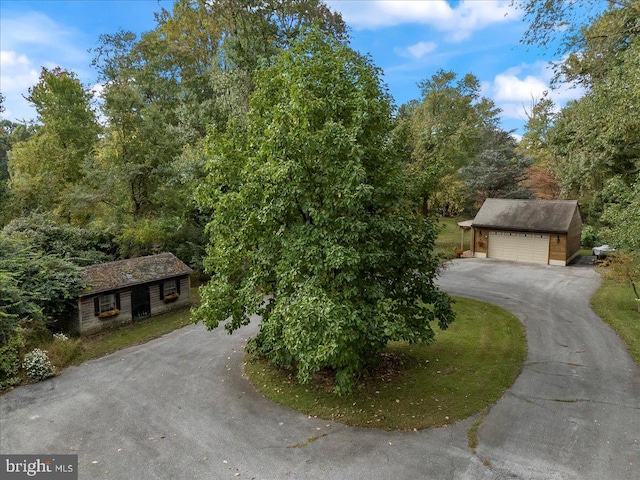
(10,359)
(38,365)
(589,236)
(63,352)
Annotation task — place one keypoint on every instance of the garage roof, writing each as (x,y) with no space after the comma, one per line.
(552,216)
(133,271)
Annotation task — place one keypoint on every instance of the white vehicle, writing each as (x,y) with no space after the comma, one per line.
(601,251)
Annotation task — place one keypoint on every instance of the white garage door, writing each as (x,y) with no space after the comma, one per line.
(519,247)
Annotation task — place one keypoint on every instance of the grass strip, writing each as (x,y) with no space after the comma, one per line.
(616,305)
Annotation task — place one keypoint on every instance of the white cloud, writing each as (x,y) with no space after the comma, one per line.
(371,15)
(478,15)
(510,88)
(33,29)
(515,89)
(416,51)
(459,22)
(31,41)
(12,59)
(97,89)
(17,74)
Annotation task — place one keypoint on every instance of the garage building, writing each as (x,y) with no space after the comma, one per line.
(534,231)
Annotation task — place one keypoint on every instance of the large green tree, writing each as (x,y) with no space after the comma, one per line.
(48,168)
(535,145)
(621,219)
(442,133)
(163,91)
(594,139)
(311,227)
(498,170)
(587,34)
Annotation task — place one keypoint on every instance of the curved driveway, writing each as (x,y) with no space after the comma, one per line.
(179,408)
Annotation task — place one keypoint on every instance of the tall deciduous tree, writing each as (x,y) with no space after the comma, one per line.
(164,91)
(542,180)
(594,139)
(444,132)
(310,212)
(621,218)
(46,168)
(562,25)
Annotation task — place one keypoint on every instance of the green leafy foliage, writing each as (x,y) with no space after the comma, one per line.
(593,139)
(47,167)
(162,92)
(10,350)
(39,275)
(38,284)
(310,226)
(589,236)
(47,233)
(441,134)
(621,218)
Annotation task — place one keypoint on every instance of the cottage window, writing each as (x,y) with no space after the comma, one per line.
(170,287)
(109,302)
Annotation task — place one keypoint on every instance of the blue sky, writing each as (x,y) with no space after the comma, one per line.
(408,40)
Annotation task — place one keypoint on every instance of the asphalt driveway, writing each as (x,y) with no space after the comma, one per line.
(179,408)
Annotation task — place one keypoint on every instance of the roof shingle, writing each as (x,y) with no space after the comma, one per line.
(552,216)
(133,271)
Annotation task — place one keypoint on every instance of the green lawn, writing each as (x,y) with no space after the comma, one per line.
(617,306)
(449,238)
(466,370)
(132,334)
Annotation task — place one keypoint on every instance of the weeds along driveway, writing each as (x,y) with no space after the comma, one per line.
(179,408)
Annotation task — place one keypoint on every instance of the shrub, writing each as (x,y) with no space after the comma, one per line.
(589,236)
(63,352)
(38,365)
(10,359)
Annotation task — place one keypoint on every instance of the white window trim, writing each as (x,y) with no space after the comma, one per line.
(170,287)
(107,302)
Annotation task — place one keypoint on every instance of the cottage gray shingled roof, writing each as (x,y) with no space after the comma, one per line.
(552,216)
(133,271)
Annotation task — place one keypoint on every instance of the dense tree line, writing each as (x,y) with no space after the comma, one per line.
(121,168)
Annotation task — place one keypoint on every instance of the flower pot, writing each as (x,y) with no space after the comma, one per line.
(109,313)
(171,298)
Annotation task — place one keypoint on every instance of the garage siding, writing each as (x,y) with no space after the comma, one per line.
(558,249)
(574,235)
